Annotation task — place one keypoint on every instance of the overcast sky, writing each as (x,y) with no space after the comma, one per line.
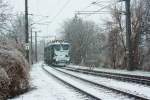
(57,11)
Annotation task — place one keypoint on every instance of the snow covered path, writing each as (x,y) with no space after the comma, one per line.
(47,88)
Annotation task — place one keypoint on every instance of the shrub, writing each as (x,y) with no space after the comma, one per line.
(14,72)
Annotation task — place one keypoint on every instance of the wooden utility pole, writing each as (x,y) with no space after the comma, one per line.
(31,49)
(26,30)
(36,47)
(128,36)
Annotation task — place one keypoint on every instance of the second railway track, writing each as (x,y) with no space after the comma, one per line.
(130,95)
(123,77)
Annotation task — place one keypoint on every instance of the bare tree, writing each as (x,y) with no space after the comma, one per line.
(16,34)
(139,13)
(145,36)
(4,17)
(116,54)
(81,34)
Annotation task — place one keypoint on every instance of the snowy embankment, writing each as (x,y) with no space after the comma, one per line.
(47,88)
(133,88)
(136,72)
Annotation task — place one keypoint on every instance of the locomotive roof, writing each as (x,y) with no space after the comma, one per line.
(57,43)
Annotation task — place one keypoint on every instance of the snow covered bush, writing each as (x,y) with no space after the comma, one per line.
(4,84)
(14,72)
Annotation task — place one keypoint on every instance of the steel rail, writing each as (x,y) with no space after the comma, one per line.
(123,77)
(76,88)
(137,97)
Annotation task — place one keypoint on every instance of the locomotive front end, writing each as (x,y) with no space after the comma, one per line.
(61,54)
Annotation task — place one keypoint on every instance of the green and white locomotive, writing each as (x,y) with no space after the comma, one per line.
(57,53)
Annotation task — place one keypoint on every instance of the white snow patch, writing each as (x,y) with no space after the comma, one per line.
(47,87)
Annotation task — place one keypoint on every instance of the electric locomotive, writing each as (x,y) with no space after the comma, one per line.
(57,53)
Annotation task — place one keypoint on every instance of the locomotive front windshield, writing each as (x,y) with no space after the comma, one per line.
(65,47)
(57,47)
(61,47)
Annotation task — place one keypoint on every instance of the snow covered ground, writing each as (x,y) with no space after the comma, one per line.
(47,88)
(92,89)
(134,88)
(137,72)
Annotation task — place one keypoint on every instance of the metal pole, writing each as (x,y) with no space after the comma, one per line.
(31,49)
(26,30)
(128,35)
(36,47)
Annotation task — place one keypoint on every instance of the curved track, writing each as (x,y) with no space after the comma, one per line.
(130,95)
(137,97)
(123,77)
(76,88)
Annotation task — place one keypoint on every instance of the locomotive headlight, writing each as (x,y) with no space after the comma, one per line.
(55,54)
(66,56)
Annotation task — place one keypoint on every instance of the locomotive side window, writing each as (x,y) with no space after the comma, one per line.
(57,47)
(65,47)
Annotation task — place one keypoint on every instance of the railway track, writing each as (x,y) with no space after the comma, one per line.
(72,86)
(117,91)
(123,77)
(137,97)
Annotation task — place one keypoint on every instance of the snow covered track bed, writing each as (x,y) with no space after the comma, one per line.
(123,77)
(103,92)
(67,83)
(136,96)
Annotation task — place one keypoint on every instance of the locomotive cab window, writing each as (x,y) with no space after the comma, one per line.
(65,47)
(57,47)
